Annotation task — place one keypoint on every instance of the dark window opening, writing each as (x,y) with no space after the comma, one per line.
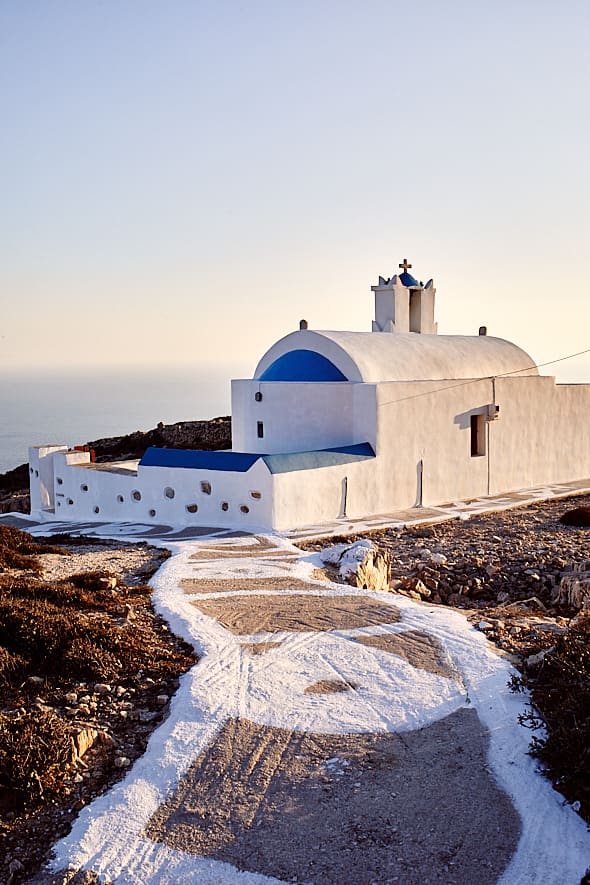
(260,429)
(415,310)
(478,435)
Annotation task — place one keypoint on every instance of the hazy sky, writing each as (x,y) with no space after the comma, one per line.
(182,181)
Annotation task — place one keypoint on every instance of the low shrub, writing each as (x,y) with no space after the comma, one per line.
(35,748)
(43,636)
(12,666)
(560,694)
(78,591)
(19,549)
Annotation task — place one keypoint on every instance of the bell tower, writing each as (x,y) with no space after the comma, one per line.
(402,304)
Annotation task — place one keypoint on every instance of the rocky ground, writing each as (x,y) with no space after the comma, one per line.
(509,572)
(522,577)
(108,722)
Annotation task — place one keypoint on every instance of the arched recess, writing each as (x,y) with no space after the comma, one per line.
(302,365)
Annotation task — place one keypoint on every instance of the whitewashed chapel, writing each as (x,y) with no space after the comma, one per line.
(348,424)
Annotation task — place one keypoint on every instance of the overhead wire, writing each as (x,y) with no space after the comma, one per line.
(468,381)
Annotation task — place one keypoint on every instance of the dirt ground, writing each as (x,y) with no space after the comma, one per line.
(345,808)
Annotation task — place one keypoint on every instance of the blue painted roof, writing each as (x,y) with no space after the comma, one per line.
(408,280)
(302,365)
(287,463)
(196,459)
(240,462)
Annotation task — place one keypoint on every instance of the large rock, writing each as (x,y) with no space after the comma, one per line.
(360,564)
(574,587)
(578,517)
(88,737)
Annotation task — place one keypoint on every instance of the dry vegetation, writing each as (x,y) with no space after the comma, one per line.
(560,692)
(86,670)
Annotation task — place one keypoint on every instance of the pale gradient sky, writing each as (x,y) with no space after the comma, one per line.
(183,181)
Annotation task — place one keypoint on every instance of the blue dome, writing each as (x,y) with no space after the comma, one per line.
(408,280)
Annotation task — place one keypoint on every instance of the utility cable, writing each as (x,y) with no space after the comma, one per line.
(561,359)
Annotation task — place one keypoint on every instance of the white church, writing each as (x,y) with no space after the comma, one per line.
(347,425)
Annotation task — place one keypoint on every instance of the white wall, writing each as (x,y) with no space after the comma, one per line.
(301,416)
(424,443)
(41,476)
(543,434)
(309,497)
(162,495)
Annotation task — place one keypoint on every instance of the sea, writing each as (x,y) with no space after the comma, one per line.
(76,407)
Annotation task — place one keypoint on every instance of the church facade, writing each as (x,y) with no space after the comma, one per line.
(347,425)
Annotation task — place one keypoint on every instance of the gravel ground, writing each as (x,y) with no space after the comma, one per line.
(503,570)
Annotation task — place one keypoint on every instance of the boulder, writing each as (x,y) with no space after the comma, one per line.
(360,564)
(578,517)
(574,588)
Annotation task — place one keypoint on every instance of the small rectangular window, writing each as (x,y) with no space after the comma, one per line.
(478,435)
(260,429)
